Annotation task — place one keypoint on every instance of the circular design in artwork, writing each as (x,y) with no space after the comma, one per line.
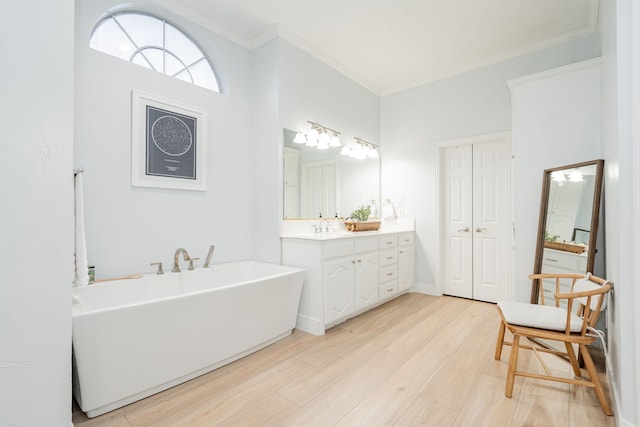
(171,135)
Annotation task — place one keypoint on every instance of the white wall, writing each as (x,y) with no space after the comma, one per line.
(130,227)
(267,179)
(555,122)
(36,172)
(308,89)
(620,55)
(473,103)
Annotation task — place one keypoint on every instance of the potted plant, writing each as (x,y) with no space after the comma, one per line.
(359,220)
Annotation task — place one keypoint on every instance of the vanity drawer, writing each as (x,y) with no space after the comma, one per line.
(406,239)
(388,290)
(388,242)
(563,261)
(388,256)
(338,249)
(366,245)
(388,273)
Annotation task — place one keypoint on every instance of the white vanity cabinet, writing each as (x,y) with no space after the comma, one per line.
(388,267)
(350,281)
(406,261)
(346,276)
(555,261)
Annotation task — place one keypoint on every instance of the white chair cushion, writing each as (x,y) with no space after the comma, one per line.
(587,285)
(538,316)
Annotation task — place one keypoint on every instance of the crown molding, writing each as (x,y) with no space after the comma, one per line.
(279,31)
(285,34)
(534,47)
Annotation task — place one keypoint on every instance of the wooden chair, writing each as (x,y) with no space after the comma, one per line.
(565,325)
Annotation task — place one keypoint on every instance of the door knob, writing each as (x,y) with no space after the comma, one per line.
(480,230)
(465,230)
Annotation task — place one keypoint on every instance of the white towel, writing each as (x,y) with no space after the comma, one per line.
(82,265)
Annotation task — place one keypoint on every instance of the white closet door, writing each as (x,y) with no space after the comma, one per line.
(475,249)
(319,189)
(490,221)
(458,218)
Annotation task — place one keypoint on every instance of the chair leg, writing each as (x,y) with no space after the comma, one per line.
(593,375)
(573,359)
(500,342)
(513,365)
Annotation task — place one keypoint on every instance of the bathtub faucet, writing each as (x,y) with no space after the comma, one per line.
(209,255)
(176,259)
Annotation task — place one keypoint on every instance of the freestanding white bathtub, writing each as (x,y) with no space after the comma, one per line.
(134,338)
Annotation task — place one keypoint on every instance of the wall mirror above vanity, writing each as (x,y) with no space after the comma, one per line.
(322,182)
(568,222)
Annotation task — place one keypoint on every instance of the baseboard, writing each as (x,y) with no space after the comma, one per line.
(615,400)
(427,289)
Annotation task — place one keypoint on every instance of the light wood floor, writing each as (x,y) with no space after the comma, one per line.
(417,360)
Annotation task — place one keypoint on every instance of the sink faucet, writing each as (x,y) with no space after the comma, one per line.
(208,260)
(176,259)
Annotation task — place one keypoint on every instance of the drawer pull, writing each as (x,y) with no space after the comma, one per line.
(407,240)
(389,243)
(551,259)
(389,274)
(401,252)
(389,257)
(390,290)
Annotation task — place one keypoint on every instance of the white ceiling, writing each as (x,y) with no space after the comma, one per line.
(390,45)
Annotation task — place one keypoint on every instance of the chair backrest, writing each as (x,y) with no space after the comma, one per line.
(594,302)
(588,294)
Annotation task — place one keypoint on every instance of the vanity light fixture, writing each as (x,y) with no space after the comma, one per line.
(319,136)
(361,150)
(575,176)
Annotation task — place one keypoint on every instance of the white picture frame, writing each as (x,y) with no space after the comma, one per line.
(168,144)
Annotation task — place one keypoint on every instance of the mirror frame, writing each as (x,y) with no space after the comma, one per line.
(542,222)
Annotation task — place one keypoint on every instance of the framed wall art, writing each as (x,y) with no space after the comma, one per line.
(168,144)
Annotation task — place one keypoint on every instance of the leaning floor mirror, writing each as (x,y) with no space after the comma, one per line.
(568,224)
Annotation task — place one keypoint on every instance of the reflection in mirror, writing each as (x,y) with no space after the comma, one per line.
(324,183)
(568,226)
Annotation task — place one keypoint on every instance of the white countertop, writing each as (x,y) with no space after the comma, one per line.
(302,229)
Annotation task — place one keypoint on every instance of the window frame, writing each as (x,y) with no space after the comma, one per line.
(138,50)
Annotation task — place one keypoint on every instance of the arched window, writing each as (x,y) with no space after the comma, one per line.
(154,43)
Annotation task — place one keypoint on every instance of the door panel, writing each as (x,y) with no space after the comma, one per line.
(490,222)
(340,297)
(458,221)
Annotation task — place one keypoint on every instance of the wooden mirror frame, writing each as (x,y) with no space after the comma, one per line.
(542,223)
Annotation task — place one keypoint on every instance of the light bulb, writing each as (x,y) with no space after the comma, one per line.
(335,141)
(313,134)
(575,176)
(300,138)
(324,139)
